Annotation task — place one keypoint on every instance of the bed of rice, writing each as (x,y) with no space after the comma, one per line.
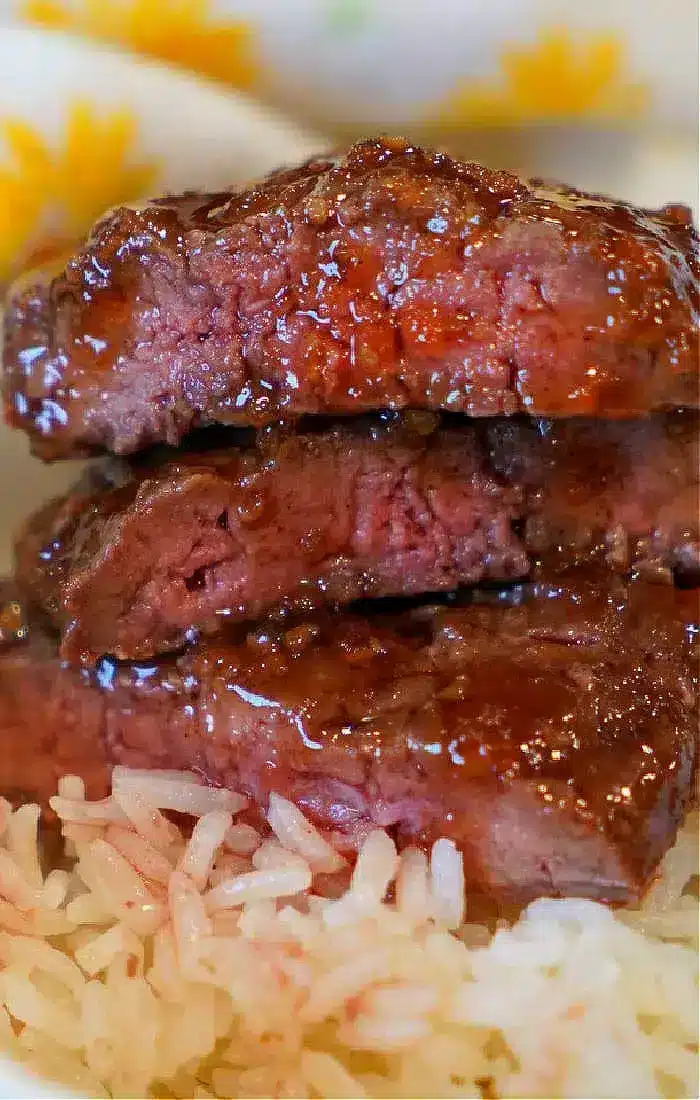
(160,961)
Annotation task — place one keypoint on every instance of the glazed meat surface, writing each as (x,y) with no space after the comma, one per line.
(51,717)
(386,278)
(627,492)
(374,509)
(554,741)
(387,506)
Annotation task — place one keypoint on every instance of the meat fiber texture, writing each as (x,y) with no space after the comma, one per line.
(388,277)
(554,741)
(141,559)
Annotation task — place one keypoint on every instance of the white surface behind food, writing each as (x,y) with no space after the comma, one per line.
(363,63)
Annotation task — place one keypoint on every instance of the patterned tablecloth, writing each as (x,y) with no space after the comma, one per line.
(452,72)
(438,64)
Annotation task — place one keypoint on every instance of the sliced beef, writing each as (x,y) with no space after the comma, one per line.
(386,278)
(382,507)
(369,510)
(554,741)
(627,492)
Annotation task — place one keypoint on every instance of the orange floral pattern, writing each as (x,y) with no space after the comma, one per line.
(182,32)
(559,79)
(561,76)
(56,194)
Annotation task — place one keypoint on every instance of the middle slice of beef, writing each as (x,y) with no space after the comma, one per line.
(147,557)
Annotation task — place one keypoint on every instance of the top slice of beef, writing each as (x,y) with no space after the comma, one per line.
(387,278)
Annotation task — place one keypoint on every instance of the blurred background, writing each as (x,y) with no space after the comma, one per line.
(102,101)
(540,86)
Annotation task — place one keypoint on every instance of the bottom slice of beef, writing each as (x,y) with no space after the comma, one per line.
(554,739)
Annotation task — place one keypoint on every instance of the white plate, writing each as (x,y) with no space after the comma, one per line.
(206,137)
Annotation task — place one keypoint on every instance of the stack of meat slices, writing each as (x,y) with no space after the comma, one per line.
(431,381)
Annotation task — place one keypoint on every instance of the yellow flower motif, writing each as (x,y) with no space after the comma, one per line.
(21,193)
(557,80)
(178,31)
(52,193)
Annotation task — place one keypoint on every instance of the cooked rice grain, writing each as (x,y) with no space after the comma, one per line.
(209,963)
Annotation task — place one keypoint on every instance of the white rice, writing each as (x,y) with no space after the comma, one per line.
(213,963)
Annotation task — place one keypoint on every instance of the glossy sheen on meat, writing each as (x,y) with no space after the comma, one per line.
(554,741)
(51,717)
(374,509)
(386,278)
(627,492)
